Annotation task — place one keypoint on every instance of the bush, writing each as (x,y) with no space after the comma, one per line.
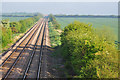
(54,35)
(23,26)
(84,50)
(15,27)
(54,22)
(6,36)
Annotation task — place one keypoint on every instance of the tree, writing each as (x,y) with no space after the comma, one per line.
(23,26)
(15,26)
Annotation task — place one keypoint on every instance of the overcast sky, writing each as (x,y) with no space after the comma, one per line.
(83,8)
(59,0)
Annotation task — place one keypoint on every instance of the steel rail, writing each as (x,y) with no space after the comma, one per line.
(9,70)
(31,57)
(17,41)
(16,48)
(40,57)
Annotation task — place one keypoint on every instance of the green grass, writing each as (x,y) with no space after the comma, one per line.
(12,19)
(54,36)
(96,22)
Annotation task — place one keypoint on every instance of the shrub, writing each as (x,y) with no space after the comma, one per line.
(54,22)
(6,36)
(84,50)
(15,26)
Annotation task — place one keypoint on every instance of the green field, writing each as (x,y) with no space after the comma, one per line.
(96,22)
(12,19)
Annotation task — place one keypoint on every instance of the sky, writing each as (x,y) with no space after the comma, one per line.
(81,8)
(60,0)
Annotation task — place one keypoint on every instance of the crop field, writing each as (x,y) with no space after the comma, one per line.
(96,22)
(12,19)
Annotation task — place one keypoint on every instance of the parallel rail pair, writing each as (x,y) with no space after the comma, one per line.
(31,56)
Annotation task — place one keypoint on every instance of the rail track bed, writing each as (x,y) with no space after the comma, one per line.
(25,60)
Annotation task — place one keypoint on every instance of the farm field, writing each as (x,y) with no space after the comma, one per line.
(12,19)
(96,22)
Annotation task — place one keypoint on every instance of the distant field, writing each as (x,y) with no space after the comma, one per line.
(96,22)
(12,19)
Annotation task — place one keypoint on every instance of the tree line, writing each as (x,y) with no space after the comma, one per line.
(20,14)
(88,16)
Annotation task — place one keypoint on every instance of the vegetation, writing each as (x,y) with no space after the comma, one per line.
(6,36)
(9,29)
(96,22)
(54,22)
(5,23)
(54,35)
(88,16)
(15,26)
(14,19)
(20,14)
(88,52)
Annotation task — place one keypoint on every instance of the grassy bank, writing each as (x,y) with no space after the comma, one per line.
(54,35)
(54,31)
(55,39)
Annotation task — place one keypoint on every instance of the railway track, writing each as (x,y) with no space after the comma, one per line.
(26,59)
(21,43)
(33,68)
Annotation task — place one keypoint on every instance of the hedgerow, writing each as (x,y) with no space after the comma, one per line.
(54,22)
(90,53)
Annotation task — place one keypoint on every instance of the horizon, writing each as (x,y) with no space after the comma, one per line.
(63,14)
